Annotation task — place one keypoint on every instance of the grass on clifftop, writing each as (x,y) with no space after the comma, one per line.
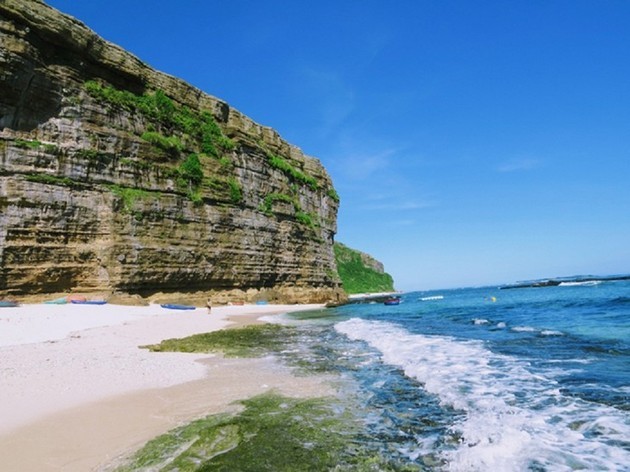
(358,278)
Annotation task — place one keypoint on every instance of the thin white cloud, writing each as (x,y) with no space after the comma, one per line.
(519,165)
(403,222)
(363,166)
(331,97)
(402,206)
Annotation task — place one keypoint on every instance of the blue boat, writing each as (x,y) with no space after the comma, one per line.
(88,302)
(174,306)
(57,301)
(392,301)
(8,304)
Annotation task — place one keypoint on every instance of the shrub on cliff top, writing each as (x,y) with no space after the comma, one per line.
(332,193)
(283,165)
(358,278)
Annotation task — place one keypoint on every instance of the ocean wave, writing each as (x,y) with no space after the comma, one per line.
(541,332)
(551,332)
(524,329)
(281,319)
(480,321)
(515,418)
(586,283)
(620,301)
(570,361)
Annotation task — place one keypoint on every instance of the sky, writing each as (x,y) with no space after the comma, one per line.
(471,142)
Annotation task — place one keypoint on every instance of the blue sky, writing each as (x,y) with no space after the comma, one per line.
(471,142)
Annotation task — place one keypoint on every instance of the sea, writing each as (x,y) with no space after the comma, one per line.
(483,379)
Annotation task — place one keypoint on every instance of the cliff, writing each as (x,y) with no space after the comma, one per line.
(360,272)
(115,177)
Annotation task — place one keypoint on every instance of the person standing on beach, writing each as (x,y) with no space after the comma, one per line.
(209,305)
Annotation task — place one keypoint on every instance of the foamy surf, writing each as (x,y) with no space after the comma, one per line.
(516,418)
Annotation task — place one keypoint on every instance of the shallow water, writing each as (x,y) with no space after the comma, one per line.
(538,379)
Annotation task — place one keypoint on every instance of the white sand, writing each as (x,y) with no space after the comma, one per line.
(56,359)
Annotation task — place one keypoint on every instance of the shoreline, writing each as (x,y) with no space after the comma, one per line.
(86,396)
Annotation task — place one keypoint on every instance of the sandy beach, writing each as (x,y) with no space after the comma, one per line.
(77,391)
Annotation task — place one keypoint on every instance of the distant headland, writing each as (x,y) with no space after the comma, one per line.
(566,281)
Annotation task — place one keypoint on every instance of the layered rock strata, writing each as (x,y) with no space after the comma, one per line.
(117,178)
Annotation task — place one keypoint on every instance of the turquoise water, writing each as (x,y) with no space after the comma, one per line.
(486,379)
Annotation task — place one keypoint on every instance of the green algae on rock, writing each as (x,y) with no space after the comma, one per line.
(248,341)
(273,433)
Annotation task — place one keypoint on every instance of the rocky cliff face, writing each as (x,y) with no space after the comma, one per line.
(116,177)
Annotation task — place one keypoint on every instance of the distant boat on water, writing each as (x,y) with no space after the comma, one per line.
(392,301)
(372,297)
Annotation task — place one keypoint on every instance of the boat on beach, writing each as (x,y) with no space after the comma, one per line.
(8,304)
(175,306)
(57,301)
(88,302)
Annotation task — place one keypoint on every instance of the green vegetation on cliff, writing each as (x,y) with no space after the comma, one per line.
(283,165)
(358,275)
(173,129)
(170,118)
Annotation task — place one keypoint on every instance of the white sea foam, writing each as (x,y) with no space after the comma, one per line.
(524,329)
(277,319)
(501,324)
(571,361)
(587,283)
(480,321)
(551,332)
(515,418)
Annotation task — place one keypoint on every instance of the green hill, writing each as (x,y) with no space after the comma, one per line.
(360,272)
